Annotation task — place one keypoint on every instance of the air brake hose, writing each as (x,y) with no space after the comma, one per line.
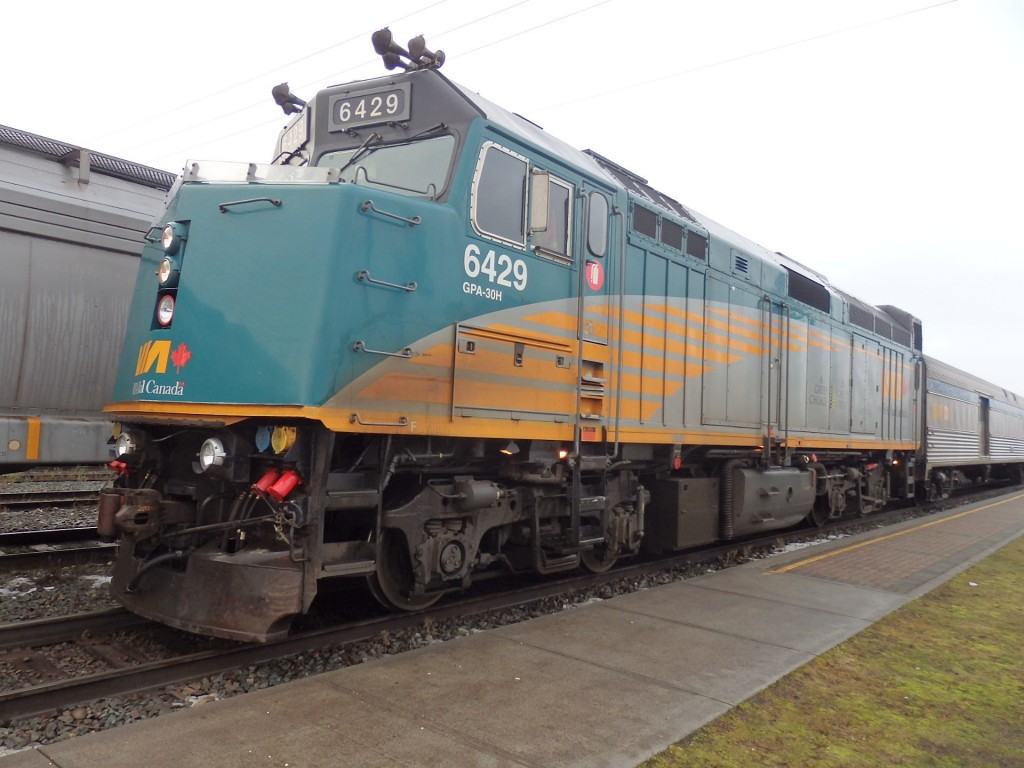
(178,554)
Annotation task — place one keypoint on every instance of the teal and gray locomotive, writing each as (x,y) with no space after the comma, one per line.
(429,340)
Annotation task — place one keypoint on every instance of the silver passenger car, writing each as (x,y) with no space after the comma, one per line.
(71,229)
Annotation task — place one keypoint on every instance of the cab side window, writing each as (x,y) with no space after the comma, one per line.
(555,240)
(522,205)
(499,200)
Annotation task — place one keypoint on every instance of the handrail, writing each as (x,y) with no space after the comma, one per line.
(364,275)
(355,418)
(360,346)
(274,202)
(368,205)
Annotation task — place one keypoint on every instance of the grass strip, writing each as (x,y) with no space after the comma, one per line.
(939,682)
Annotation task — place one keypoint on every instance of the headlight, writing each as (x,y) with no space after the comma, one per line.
(128,443)
(212,454)
(167,273)
(172,237)
(165,310)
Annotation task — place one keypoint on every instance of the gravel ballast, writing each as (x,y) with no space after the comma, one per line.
(82,588)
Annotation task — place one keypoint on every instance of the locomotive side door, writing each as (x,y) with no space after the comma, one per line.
(596,313)
(515,343)
(538,353)
(775,402)
(866,392)
(595,243)
(736,355)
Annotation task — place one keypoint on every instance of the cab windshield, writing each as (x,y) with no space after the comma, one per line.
(418,169)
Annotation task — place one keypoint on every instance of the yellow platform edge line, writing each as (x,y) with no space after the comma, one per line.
(852,547)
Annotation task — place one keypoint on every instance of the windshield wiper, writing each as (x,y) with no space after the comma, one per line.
(432,129)
(363,149)
(285,158)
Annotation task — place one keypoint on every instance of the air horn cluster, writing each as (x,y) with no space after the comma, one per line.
(394,55)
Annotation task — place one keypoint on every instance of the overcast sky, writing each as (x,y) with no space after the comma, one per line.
(880,142)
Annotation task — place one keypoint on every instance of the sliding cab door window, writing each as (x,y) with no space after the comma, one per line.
(499,199)
(555,239)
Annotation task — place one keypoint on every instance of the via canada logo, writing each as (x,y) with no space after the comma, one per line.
(154,357)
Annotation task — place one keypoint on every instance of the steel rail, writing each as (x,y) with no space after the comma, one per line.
(45,536)
(48,498)
(25,549)
(89,553)
(62,629)
(47,698)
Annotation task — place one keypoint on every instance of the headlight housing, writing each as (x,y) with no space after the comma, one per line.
(212,454)
(129,444)
(167,273)
(125,445)
(165,310)
(172,237)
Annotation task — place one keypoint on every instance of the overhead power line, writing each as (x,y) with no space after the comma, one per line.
(744,56)
(520,33)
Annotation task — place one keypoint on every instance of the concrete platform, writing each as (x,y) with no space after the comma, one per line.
(606,684)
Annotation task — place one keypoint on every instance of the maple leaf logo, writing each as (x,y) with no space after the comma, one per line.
(181,356)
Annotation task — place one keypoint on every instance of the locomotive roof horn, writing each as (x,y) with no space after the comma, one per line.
(419,56)
(287,100)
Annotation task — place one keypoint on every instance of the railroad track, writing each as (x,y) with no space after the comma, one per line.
(55,486)
(87,473)
(23,646)
(46,537)
(49,497)
(61,546)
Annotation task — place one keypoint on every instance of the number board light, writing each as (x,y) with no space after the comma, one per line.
(297,134)
(348,110)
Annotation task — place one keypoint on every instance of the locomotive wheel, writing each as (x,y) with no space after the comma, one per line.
(392,582)
(818,516)
(598,560)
